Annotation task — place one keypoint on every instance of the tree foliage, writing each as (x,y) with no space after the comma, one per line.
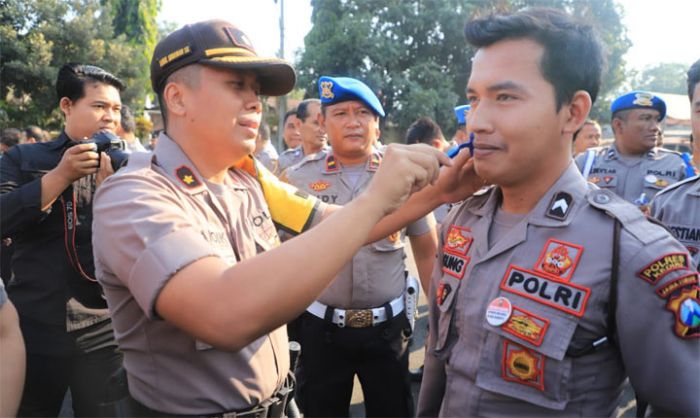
(39,36)
(413,52)
(662,78)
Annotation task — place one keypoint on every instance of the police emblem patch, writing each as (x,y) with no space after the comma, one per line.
(594,179)
(526,325)
(644,99)
(660,267)
(560,206)
(686,308)
(608,179)
(454,265)
(458,240)
(319,186)
(327,90)
(521,365)
(545,289)
(670,287)
(187,177)
(559,258)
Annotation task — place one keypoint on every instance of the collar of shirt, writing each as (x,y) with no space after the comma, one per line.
(613,153)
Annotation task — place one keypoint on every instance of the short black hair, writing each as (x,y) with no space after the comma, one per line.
(573,54)
(264,132)
(290,112)
(693,78)
(72,77)
(303,108)
(423,130)
(11,137)
(128,123)
(35,132)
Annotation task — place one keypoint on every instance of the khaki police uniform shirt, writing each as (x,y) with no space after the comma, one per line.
(629,177)
(554,269)
(153,218)
(678,207)
(288,158)
(376,273)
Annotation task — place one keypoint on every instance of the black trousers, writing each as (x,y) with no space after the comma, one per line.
(49,377)
(332,356)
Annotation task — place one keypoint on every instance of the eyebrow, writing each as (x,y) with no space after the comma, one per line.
(506,85)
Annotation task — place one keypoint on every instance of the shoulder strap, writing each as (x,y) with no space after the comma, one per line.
(588,165)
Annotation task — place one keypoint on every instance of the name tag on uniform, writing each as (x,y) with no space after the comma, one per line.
(564,296)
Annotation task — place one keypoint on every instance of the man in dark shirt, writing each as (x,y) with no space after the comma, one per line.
(46,207)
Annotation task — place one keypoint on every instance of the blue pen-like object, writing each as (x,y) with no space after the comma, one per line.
(469,144)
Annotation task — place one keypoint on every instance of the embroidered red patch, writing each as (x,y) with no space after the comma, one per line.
(319,186)
(663,265)
(521,365)
(559,259)
(458,240)
(670,287)
(187,177)
(443,291)
(546,289)
(454,265)
(686,308)
(526,325)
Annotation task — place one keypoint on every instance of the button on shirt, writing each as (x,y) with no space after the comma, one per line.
(553,269)
(153,218)
(631,176)
(678,207)
(376,273)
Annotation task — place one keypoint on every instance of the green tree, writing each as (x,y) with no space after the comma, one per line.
(414,54)
(662,78)
(38,36)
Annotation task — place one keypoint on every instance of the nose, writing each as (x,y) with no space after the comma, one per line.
(253,101)
(477,119)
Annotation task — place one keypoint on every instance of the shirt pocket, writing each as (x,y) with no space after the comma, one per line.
(657,183)
(525,358)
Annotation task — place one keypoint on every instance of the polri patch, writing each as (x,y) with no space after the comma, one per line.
(686,308)
(559,258)
(669,288)
(663,265)
(187,177)
(560,206)
(527,326)
(458,240)
(454,265)
(564,296)
(523,366)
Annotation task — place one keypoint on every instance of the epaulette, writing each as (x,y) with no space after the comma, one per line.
(668,151)
(478,198)
(631,218)
(307,159)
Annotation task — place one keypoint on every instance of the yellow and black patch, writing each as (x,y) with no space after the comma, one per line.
(523,366)
(175,55)
(669,288)
(663,265)
(187,177)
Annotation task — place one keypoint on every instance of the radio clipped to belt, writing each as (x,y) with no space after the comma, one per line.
(411,299)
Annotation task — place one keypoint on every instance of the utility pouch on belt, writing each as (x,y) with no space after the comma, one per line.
(411,299)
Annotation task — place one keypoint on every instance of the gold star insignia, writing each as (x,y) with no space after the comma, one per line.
(188,179)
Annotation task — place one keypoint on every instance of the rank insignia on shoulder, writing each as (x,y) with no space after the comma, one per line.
(374,161)
(523,366)
(331,163)
(187,177)
(669,288)
(527,326)
(560,206)
(559,258)
(319,186)
(686,308)
(458,240)
(663,265)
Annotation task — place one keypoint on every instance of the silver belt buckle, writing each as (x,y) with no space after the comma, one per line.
(358,318)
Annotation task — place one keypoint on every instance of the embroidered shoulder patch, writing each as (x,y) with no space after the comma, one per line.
(187,177)
(526,325)
(559,259)
(670,287)
(458,240)
(660,267)
(686,308)
(523,366)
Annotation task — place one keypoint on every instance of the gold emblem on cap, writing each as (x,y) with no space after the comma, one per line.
(174,55)
(643,99)
(327,89)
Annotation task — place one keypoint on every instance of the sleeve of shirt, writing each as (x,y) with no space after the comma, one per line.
(142,234)
(292,210)
(20,204)
(420,226)
(658,324)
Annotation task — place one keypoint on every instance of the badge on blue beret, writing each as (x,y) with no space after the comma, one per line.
(639,100)
(461,113)
(333,90)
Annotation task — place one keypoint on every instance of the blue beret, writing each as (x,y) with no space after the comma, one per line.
(639,100)
(333,90)
(461,114)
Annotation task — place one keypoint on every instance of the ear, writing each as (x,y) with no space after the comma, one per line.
(65,104)
(174,97)
(576,112)
(617,125)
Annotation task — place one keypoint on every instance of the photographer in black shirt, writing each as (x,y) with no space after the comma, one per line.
(46,194)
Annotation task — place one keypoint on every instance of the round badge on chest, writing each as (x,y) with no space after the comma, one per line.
(498,311)
(650,178)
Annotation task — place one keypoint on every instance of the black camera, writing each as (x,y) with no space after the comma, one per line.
(113,146)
